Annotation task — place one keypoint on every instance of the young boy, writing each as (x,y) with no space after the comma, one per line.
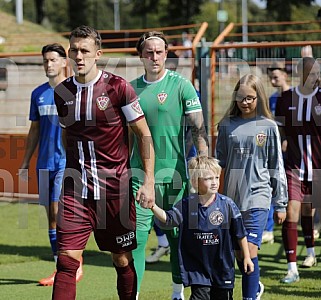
(209,226)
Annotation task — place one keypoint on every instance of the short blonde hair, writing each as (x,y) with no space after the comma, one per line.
(199,166)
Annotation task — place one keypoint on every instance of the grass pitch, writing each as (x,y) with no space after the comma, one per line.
(25,257)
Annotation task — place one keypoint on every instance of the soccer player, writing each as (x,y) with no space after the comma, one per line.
(278,78)
(212,223)
(170,103)
(248,147)
(45,133)
(94,108)
(298,115)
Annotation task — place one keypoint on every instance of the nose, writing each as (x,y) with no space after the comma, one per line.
(78,55)
(154,56)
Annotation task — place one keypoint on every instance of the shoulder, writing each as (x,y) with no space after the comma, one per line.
(176,77)
(288,93)
(224,198)
(264,121)
(227,200)
(41,88)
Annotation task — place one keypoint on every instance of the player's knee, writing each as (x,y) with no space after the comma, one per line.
(122,260)
(67,263)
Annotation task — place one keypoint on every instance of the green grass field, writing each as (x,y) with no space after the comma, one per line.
(25,258)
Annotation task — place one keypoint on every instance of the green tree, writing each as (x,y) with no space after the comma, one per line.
(281,9)
(77,12)
(182,11)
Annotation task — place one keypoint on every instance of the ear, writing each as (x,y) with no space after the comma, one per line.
(64,63)
(194,183)
(99,53)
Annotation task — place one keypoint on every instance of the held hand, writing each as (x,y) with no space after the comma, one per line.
(145,196)
(279,217)
(248,265)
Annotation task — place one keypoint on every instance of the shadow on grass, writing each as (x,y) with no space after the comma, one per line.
(6,281)
(91,257)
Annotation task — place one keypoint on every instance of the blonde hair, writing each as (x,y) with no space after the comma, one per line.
(199,166)
(262,106)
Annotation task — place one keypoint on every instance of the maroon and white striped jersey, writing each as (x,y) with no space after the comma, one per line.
(300,117)
(95,117)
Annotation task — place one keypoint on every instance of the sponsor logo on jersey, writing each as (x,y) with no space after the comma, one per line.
(102,102)
(41,99)
(193,103)
(136,107)
(71,102)
(317,109)
(261,139)
(216,218)
(162,97)
(126,239)
(207,238)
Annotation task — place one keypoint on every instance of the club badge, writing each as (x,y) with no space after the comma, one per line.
(261,139)
(136,107)
(161,97)
(317,109)
(216,218)
(102,102)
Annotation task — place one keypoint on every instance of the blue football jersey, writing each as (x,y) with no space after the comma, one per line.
(51,153)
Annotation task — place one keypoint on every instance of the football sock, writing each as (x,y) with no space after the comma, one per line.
(307,229)
(53,240)
(250,282)
(310,251)
(139,256)
(126,282)
(290,240)
(162,240)
(65,280)
(292,266)
(173,243)
(177,288)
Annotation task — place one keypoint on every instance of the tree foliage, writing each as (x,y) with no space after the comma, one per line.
(281,10)
(64,15)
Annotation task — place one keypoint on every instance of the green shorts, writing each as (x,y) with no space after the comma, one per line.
(166,194)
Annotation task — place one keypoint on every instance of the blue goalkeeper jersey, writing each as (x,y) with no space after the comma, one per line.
(51,153)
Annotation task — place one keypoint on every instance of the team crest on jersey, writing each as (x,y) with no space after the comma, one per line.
(261,139)
(102,102)
(216,218)
(161,97)
(317,109)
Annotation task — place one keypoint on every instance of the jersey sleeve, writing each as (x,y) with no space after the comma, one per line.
(237,227)
(174,217)
(277,172)
(62,108)
(221,150)
(34,112)
(191,101)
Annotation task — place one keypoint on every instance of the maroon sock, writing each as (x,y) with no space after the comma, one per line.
(307,229)
(126,282)
(65,280)
(290,240)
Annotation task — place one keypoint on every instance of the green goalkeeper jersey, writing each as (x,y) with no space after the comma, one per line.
(165,103)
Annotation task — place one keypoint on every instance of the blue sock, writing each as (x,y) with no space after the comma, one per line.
(53,240)
(250,283)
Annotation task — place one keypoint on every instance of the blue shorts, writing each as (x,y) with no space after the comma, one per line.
(49,185)
(254,222)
